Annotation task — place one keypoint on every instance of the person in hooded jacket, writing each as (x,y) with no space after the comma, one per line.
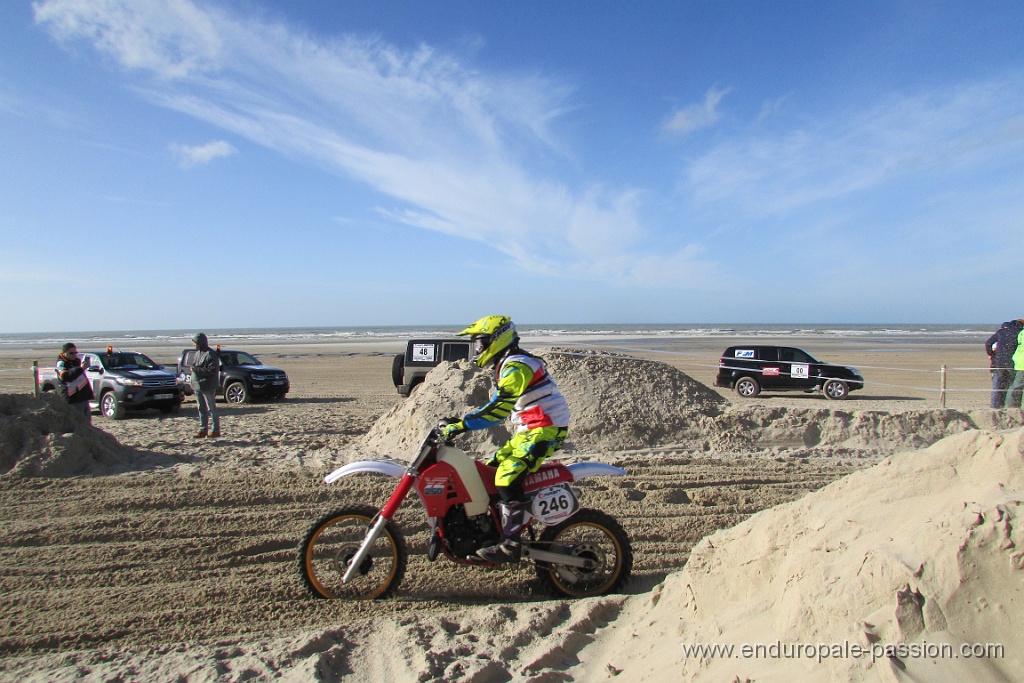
(1000,348)
(205,379)
(527,395)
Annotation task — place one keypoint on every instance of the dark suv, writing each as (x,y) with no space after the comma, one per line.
(421,355)
(751,369)
(242,376)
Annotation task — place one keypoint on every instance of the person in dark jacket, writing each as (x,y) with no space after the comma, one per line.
(1000,348)
(75,385)
(205,377)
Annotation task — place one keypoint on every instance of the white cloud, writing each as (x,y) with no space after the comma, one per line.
(190,156)
(446,142)
(833,158)
(171,38)
(695,117)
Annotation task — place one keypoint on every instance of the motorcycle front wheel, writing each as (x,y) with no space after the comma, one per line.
(593,535)
(329,545)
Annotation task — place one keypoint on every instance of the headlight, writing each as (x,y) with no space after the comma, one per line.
(129,382)
(259,378)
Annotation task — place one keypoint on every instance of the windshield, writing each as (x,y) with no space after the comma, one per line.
(237,358)
(129,361)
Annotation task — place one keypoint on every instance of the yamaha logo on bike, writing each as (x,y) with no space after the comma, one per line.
(543,476)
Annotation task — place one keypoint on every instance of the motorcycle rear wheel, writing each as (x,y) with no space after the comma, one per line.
(329,545)
(596,536)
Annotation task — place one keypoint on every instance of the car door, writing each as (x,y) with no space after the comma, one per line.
(796,366)
(772,376)
(187,359)
(94,372)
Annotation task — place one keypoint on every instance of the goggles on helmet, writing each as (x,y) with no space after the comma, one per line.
(480,344)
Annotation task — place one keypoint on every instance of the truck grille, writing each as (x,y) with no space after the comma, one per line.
(152,382)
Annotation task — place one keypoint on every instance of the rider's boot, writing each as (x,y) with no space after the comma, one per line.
(510,549)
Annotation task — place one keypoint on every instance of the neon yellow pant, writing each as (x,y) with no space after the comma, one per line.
(525,452)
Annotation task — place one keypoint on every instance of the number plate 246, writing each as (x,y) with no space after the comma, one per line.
(554,504)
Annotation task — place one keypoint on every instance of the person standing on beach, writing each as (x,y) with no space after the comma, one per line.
(528,396)
(1016,391)
(75,384)
(1000,348)
(205,378)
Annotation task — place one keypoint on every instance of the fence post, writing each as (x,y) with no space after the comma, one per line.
(942,390)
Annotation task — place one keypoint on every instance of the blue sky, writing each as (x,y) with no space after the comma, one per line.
(175,164)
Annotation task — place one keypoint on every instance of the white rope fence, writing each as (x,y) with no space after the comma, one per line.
(942,389)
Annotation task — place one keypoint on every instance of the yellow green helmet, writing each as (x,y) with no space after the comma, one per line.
(492,334)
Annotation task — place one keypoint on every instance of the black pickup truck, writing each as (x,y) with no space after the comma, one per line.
(123,381)
(243,378)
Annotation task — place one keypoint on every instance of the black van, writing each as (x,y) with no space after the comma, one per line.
(751,369)
(421,355)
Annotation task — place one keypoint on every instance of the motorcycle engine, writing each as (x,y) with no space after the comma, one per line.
(465,535)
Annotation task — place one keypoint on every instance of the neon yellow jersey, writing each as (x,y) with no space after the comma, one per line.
(525,393)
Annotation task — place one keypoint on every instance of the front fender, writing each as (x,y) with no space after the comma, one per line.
(582,470)
(392,468)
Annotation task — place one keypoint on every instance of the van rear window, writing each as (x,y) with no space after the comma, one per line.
(454,352)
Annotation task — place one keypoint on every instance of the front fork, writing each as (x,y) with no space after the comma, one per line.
(385,516)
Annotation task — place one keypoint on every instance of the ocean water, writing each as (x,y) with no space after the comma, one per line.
(880,333)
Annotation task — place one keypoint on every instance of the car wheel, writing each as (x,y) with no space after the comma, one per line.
(747,387)
(835,390)
(398,369)
(236,393)
(110,407)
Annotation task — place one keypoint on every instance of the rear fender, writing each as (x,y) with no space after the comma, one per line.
(392,468)
(582,470)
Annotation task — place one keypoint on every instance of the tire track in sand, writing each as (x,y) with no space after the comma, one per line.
(152,559)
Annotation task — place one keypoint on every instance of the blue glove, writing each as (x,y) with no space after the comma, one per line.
(453,429)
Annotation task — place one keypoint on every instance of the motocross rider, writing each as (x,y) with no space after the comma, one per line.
(529,397)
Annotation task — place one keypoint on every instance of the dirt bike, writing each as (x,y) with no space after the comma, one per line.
(358,552)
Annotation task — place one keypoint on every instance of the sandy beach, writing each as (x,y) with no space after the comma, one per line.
(143,554)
